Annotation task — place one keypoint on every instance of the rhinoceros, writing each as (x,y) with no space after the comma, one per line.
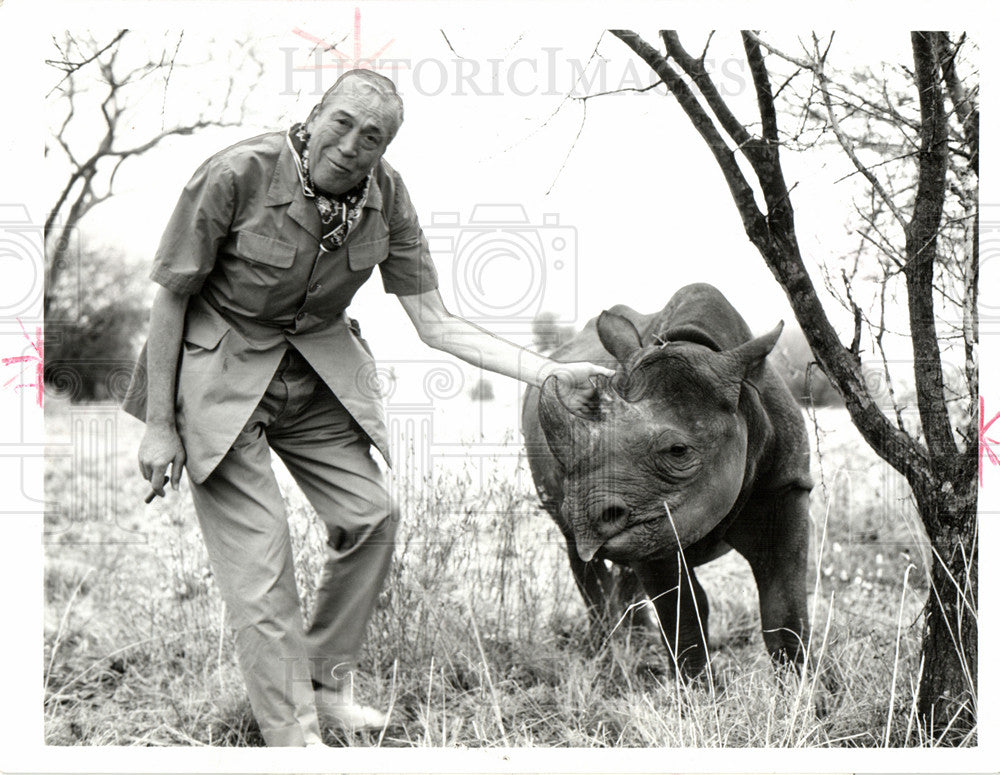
(694,447)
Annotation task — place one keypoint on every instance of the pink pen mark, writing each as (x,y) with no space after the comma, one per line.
(38,359)
(984,441)
(358,61)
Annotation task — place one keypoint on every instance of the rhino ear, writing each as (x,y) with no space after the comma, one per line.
(618,335)
(750,356)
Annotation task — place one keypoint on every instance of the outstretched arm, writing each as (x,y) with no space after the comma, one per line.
(161,445)
(439,329)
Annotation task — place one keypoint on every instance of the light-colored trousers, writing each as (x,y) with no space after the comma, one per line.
(245,527)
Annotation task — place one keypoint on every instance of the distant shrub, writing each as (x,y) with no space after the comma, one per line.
(93,327)
(548,333)
(792,358)
(482,390)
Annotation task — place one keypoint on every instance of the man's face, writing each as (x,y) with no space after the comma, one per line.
(348,136)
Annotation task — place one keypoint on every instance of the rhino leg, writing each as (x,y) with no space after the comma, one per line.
(596,585)
(607,595)
(627,592)
(682,608)
(773,535)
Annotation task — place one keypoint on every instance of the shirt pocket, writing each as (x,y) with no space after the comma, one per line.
(264,250)
(204,331)
(366,254)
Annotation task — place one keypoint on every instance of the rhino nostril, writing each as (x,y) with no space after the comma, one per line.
(616,512)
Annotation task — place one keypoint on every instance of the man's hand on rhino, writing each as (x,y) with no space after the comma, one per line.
(577,386)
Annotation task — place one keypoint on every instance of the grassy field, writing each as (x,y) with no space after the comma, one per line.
(480,636)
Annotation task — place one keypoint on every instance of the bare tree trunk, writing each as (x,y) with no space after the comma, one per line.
(58,242)
(947,700)
(948,506)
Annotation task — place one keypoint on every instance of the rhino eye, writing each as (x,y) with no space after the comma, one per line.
(678,450)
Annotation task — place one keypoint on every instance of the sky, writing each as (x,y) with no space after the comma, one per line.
(538,190)
(529,204)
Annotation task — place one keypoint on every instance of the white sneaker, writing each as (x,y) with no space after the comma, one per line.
(338,709)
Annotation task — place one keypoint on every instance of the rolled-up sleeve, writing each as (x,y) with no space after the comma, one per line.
(409,269)
(200,222)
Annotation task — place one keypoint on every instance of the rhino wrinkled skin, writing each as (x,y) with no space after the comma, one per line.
(695,447)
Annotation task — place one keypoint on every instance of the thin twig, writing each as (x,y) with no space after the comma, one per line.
(848,146)
(57,641)
(895,660)
(579,131)
(486,670)
(72,67)
(451,48)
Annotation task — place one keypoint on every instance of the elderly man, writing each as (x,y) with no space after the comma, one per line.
(250,351)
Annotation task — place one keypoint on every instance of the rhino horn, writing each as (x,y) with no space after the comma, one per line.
(606,388)
(564,431)
(618,334)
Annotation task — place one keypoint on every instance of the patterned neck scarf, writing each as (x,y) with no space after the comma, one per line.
(339,213)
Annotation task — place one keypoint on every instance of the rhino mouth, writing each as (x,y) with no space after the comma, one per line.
(622,544)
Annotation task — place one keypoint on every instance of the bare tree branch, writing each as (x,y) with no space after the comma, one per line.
(566,98)
(880,344)
(963,102)
(774,237)
(695,70)
(102,162)
(724,156)
(765,101)
(579,131)
(72,67)
(884,111)
(451,48)
(848,146)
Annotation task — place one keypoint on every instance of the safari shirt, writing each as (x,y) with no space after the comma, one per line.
(244,243)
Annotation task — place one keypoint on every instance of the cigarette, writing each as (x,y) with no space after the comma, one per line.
(151,495)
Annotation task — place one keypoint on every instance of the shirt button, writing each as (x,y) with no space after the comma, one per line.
(300,316)
(314,287)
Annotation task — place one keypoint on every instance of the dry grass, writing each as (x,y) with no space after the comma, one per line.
(479,638)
